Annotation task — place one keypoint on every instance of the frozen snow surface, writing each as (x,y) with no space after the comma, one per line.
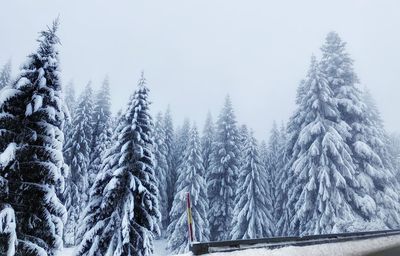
(159,248)
(357,248)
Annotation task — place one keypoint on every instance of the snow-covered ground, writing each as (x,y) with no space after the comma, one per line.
(159,249)
(356,248)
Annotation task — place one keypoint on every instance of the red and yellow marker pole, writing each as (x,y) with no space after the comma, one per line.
(190,219)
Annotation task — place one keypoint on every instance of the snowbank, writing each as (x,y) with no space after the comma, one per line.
(357,248)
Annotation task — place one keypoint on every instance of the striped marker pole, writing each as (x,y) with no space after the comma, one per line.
(189,215)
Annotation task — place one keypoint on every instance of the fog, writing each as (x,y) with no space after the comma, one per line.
(193,53)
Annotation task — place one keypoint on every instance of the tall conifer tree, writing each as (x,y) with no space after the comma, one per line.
(77,156)
(223,173)
(190,180)
(101,135)
(252,212)
(32,119)
(322,174)
(161,168)
(377,196)
(122,216)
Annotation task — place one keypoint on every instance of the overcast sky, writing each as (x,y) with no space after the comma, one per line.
(195,52)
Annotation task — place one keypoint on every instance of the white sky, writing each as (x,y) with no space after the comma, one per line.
(195,52)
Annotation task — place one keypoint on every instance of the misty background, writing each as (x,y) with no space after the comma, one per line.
(193,53)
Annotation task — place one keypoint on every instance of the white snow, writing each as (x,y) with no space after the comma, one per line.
(8,154)
(357,248)
(159,248)
(67,252)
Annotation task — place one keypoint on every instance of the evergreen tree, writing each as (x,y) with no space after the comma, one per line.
(223,174)
(377,196)
(77,153)
(32,118)
(190,180)
(101,128)
(70,102)
(281,177)
(206,142)
(181,141)
(161,168)
(321,170)
(276,172)
(243,136)
(122,215)
(5,75)
(170,155)
(181,138)
(70,98)
(252,217)
(394,151)
(381,138)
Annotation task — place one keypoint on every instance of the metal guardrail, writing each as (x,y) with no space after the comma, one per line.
(278,242)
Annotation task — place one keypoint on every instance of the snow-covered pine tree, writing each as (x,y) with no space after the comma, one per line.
(252,217)
(77,156)
(223,172)
(33,116)
(122,216)
(170,146)
(378,129)
(5,75)
(207,141)
(181,138)
(276,172)
(101,136)
(190,180)
(160,169)
(291,134)
(281,177)
(377,197)
(243,136)
(394,151)
(70,98)
(181,141)
(70,101)
(321,170)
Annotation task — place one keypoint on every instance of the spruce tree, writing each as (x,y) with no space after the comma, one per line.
(377,196)
(122,215)
(161,168)
(222,176)
(252,217)
(32,118)
(207,141)
(70,98)
(77,153)
(243,136)
(170,155)
(276,172)
(5,75)
(190,180)
(394,151)
(101,128)
(181,141)
(322,173)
